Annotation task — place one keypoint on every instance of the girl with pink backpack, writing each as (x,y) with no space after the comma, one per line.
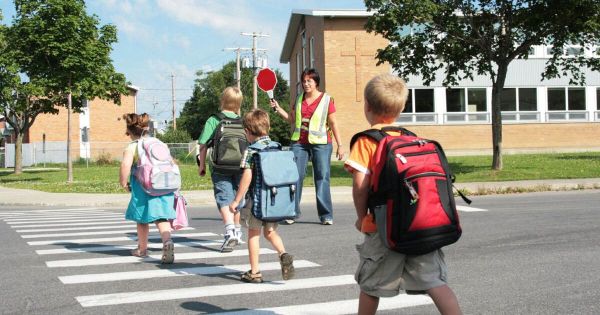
(145,208)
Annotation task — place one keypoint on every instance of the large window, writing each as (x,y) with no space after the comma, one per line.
(519,104)
(566,99)
(419,107)
(566,103)
(466,100)
(466,104)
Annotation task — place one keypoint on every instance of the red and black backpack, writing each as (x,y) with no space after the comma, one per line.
(411,193)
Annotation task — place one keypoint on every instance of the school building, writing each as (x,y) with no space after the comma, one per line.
(537,115)
(97,130)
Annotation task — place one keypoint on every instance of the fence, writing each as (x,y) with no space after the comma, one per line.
(38,153)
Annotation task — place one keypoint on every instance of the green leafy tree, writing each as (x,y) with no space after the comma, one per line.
(58,42)
(207,93)
(469,37)
(20,101)
(174,136)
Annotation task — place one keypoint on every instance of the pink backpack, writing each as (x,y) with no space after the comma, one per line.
(156,171)
(181,218)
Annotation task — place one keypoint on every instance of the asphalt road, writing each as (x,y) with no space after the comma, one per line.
(531,253)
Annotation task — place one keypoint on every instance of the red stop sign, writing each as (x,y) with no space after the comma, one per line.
(266,80)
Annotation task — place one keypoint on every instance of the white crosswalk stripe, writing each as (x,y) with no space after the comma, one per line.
(112,239)
(70,233)
(176,272)
(338,307)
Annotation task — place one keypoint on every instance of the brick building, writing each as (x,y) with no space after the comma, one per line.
(97,131)
(537,115)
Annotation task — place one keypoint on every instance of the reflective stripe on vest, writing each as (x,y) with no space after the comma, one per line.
(317,127)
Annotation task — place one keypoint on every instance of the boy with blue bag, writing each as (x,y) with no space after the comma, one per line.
(271,176)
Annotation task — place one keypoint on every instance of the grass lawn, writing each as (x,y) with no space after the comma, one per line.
(104,179)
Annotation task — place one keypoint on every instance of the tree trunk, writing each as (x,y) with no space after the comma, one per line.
(18,152)
(69,160)
(497,117)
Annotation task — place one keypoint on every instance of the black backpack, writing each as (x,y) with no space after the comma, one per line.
(228,145)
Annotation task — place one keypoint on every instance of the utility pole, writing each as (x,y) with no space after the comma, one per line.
(254,65)
(173,99)
(238,73)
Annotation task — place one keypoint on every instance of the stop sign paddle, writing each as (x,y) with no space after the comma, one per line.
(267,80)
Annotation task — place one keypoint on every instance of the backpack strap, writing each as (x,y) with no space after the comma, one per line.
(378,134)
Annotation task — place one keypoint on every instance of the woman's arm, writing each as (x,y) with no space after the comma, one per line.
(125,169)
(339,153)
(290,117)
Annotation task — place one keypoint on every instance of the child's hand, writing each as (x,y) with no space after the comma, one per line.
(201,170)
(233,206)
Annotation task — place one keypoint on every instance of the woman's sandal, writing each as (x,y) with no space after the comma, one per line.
(138,253)
(250,277)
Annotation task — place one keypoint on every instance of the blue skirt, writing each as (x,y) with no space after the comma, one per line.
(144,208)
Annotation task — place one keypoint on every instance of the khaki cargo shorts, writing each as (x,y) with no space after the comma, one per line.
(248,219)
(383,272)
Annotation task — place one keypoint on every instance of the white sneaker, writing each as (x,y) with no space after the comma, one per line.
(229,241)
(238,236)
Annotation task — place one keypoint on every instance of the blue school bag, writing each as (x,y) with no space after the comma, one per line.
(275,178)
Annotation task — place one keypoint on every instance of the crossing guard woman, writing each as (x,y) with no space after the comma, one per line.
(313,122)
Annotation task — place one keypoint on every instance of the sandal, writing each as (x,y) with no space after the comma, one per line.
(287,266)
(168,253)
(139,253)
(250,277)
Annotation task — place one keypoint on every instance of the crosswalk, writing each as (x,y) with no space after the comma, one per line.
(89,247)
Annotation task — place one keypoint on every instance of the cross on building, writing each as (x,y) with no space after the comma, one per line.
(357,54)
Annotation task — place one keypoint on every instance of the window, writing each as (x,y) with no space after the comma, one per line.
(566,99)
(566,104)
(419,106)
(598,98)
(303,50)
(475,100)
(298,74)
(519,99)
(311,53)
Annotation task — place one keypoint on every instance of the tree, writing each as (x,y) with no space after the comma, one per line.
(470,37)
(20,102)
(207,93)
(58,42)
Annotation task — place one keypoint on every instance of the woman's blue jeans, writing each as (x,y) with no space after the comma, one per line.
(320,156)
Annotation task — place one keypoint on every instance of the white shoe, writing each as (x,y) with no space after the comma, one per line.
(238,236)
(229,242)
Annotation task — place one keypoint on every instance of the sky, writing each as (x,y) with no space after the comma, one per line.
(158,38)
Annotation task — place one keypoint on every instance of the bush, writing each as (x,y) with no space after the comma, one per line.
(175,136)
(105,159)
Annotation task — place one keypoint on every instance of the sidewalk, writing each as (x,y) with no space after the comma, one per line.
(10,196)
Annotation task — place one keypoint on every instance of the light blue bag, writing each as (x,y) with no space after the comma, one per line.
(276,177)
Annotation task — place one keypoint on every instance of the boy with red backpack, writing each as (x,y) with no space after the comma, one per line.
(383,271)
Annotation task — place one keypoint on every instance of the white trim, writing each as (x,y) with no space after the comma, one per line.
(357,167)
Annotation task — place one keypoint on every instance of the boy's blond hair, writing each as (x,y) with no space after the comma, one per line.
(231,99)
(386,95)
(257,122)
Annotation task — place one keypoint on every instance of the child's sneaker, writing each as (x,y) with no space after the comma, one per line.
(168,253)
(287,266)
(229,241)
(238,236)
(250,277)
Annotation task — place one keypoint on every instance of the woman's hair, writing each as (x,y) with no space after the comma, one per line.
(231,99)
(386,95)
(137,125)
(257,122)
(311,73)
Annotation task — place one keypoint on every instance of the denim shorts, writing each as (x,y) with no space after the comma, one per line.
(225,187)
